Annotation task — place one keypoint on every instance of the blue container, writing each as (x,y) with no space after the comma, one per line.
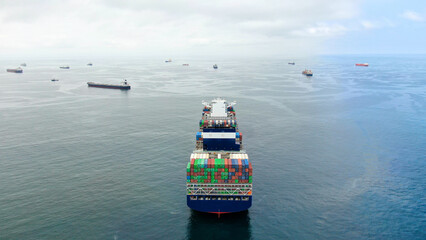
(198,136)
(219,130)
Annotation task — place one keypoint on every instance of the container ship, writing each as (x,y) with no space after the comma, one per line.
(219,174)
(308,73)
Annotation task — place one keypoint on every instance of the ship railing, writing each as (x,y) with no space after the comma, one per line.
(243,189)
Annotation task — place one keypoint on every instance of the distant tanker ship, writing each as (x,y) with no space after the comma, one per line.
(123,86)
(15,70)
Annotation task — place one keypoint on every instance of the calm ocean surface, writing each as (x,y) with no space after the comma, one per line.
(340,155)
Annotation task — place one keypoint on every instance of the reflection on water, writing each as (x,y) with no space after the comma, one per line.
(227,226)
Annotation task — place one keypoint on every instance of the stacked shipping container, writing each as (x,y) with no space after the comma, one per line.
(219,170)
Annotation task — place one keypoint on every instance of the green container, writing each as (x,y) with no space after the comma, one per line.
(250,181)
(236,181)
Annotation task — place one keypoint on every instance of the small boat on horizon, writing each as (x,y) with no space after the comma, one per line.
(54,79)
(215,66)
(185,64)
(64,67)
(123,86)
(170,60)
(89,64)
(361,64)
(308,73)
(23,64)
(15,70)
(291,63)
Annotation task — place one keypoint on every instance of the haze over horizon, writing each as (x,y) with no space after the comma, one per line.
(46,28)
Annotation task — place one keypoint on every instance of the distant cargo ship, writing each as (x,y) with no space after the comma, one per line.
(185,64)
(215,66)
(361,64)
(123,86)
(308,73)
(170,60)
(89,64)
(64,67)
(23,64)
(219,175)
(291,63)
(15,70)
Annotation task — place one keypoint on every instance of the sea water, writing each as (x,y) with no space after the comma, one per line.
(340,155)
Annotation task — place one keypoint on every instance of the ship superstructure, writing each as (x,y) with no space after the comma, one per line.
(219,174)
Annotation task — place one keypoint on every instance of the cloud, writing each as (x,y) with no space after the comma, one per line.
(413,16)
(369,25)
(321,30)
(163,27)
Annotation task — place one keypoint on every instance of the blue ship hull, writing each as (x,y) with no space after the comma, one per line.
(218,206)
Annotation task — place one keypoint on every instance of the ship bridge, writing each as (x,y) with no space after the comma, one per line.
(218,109)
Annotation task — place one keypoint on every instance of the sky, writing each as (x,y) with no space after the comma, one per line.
(217,28)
